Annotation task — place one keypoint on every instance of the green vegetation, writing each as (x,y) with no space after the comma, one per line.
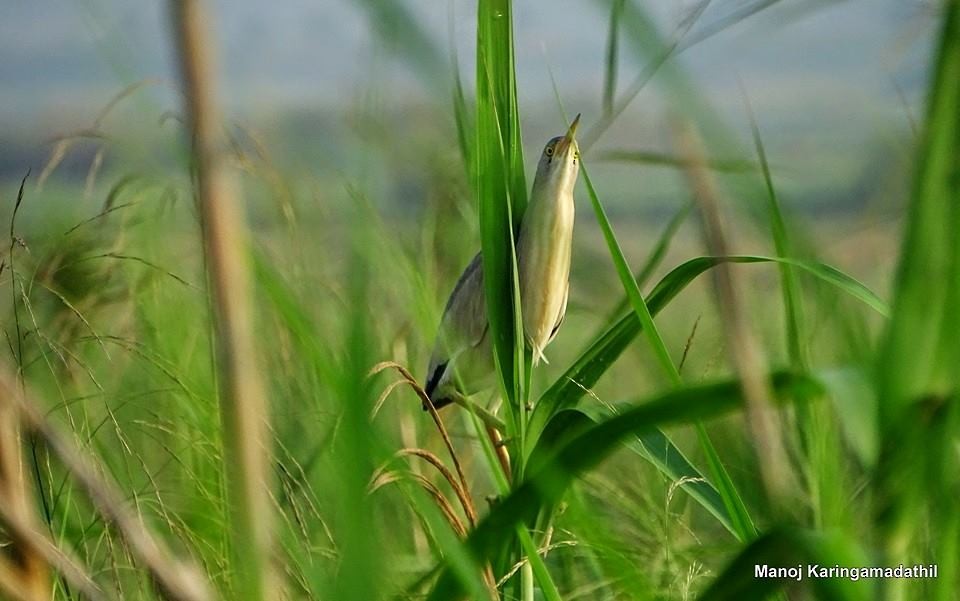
(634,465)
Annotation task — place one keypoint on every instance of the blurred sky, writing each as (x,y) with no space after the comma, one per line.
(64,57)
(833,83)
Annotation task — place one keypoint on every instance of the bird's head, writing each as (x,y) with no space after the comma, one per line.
(559,163)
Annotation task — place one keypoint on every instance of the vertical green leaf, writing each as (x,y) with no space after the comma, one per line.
(922,347)
(613,45)
(789,287)
(501,187)
(919,381)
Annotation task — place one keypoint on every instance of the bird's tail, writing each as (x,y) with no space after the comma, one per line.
(538,355)
(432,383)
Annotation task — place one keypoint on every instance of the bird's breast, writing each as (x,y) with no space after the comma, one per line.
(543,255)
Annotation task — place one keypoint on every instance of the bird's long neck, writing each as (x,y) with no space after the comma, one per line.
(552,197)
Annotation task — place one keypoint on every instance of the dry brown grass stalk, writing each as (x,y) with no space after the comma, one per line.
(428,405)
(24,565)
(382,478)
(748,361)
(488,577)
(243,405)
(176,579)
(24,530)
(10,585)
(463,495)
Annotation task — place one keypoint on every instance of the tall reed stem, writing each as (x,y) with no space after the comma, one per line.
(243,406)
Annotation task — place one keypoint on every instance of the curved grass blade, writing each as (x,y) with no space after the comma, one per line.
(742,522)
(629,284)
(657,449)
(649,157)
(655,259)
(594,362)
(547,485)
(403,33)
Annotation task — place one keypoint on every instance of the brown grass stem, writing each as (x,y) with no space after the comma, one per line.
(175,578)
(463,495)
(24,564)
(747,359)
(243,404)
(23,529)
(428,405)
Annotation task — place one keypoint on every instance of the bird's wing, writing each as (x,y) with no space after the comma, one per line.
(561,315)
(464,322)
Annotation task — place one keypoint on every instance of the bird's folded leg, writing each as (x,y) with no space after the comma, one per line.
(489,419)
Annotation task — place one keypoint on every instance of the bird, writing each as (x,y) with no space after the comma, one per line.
(461,363)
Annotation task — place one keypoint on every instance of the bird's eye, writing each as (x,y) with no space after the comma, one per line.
(549,151)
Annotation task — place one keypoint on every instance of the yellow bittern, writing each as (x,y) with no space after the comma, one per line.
(462,359)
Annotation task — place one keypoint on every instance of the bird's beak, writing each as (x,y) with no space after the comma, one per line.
(569,137)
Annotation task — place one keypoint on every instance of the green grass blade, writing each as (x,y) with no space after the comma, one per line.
(465,129)
(610,65)
(743,527)
(648,157)
(497,86)
(655,259)
(402,32)
(742,522)
(921,354)
(657,449)
(356,456)
(919,383)
(549,482)
(501,187)
(789,287)
(629,284)
(540,572)
(594,362)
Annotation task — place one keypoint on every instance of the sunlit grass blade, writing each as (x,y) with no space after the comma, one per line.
(595,361)
(553,477)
